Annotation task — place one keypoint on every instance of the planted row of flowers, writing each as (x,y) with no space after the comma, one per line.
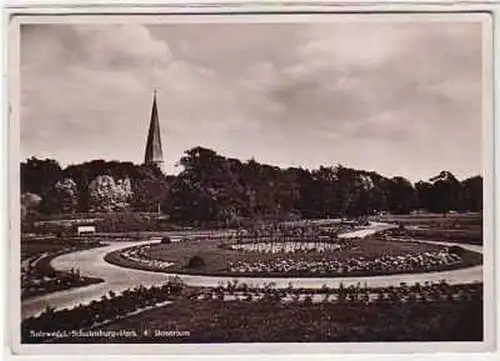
(427,292)
(355,265)
(138,255)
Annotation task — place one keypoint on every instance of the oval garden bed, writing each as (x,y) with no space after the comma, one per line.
(359,258)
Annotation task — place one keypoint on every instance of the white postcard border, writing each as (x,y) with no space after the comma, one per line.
(299,348)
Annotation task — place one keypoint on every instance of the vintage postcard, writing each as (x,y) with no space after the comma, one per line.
(317,181)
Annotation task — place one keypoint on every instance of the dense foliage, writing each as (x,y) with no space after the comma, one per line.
(212,189)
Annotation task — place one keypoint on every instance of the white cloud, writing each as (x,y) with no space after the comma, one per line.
(288,94)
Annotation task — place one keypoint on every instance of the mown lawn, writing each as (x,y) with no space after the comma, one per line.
(247,321)
(460,228)
(437,221)
(217,258)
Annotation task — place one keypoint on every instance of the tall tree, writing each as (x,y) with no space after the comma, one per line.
(472,194)
(424,195)
(38,176)
(402,197)
(29,204)
(446,193)
(107,195)
(65,195)
(195,195)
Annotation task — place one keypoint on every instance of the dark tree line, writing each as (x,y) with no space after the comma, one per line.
(69,190)
(213,188)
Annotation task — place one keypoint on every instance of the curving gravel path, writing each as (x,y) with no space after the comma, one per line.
(91,263)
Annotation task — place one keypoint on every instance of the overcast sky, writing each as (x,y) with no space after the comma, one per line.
(397,98)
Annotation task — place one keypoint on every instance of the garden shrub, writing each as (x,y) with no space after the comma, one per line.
(196,262)
(459,251)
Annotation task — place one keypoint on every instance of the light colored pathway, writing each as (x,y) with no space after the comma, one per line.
(91,263)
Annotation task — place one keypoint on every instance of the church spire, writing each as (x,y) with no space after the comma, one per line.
(154,154)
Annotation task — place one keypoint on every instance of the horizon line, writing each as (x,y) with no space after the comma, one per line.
(65,166)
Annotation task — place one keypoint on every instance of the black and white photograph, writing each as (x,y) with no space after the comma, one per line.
(282,179)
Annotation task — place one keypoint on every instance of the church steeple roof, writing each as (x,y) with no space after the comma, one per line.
(154,153)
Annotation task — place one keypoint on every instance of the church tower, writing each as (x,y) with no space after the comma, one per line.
(154,155)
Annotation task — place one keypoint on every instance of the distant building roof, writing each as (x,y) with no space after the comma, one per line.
(85,229)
